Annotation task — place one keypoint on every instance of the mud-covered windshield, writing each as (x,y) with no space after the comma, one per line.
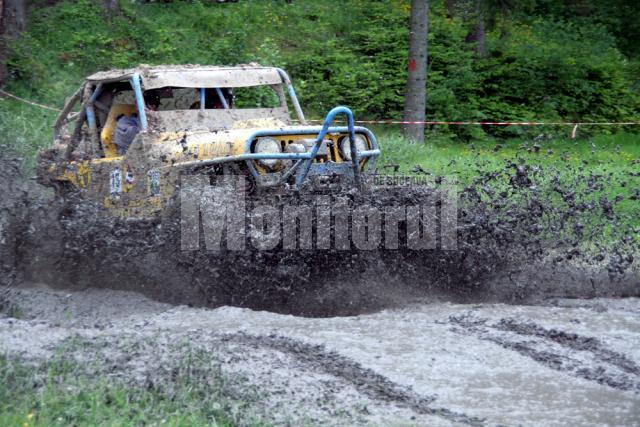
(179,109)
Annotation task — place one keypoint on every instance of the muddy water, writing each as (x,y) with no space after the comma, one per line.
(571,362)
(410,338)
(470,371)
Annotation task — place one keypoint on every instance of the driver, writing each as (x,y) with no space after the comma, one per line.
(152,99)
(127,127)
(212,99)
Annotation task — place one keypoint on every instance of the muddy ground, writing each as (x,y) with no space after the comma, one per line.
(533,319)
(565,362)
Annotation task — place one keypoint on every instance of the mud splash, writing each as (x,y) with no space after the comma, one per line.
(523,233)
(11,218)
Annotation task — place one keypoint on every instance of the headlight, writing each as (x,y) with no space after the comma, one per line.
(345,146)
(268,145)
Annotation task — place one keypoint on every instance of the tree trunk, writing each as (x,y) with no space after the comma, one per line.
(415,99)
(112,7)
(478,35)
(13,19)
(450,6)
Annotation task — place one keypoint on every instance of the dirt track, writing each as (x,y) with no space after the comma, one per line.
(413,360)
(571,362)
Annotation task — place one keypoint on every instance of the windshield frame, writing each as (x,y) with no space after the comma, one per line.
(137,84)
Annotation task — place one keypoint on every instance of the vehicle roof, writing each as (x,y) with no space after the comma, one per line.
(207,76)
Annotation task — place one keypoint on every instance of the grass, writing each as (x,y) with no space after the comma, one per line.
(614,158)
(24,129)
(60,393)
(442,155)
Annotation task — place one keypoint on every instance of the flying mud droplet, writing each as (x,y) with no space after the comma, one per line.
(524,233)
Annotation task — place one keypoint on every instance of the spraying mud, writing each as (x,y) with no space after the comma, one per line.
(523,234)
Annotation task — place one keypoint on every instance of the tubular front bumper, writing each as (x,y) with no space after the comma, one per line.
(303,162)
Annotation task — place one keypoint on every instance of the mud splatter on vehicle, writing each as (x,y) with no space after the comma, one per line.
(523,247)
(516,232)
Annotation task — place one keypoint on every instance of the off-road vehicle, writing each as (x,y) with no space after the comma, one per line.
(222,120)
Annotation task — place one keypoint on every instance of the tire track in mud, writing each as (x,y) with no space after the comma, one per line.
(366,381)
(608,367)
(312,357)
(573,341)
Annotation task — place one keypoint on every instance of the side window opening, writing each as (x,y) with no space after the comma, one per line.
(122,123)
(178,98)
(257,97)
(113,101)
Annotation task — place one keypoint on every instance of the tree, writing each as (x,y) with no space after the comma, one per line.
(13,18)
(473,12)
(478,35)
(484,15)
(111,6)
(415,98)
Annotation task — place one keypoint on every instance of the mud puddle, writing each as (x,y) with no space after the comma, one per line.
(424,364)
(581,356)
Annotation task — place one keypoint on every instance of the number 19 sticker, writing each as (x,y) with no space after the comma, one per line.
(115,183)
(154,183)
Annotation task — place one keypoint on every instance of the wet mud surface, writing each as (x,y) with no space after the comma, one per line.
(533,318)
(589,358)
(365,381)
(569,362)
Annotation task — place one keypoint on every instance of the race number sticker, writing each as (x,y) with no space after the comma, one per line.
(115,183)
(154,183)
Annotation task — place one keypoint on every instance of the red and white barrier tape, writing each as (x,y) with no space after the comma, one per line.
(398,122)
(26,101)
(394,122)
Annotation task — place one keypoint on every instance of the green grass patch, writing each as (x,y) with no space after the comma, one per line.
(24,129)
(446,155)
(614,156)
(60,393)
(599,168)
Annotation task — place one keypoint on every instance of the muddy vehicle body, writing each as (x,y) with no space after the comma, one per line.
(205,122)
(220,120)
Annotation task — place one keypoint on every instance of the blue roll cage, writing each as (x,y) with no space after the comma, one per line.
(303,161)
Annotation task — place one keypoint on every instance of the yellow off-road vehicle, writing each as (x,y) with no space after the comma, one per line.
(230,120)
(152,148)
